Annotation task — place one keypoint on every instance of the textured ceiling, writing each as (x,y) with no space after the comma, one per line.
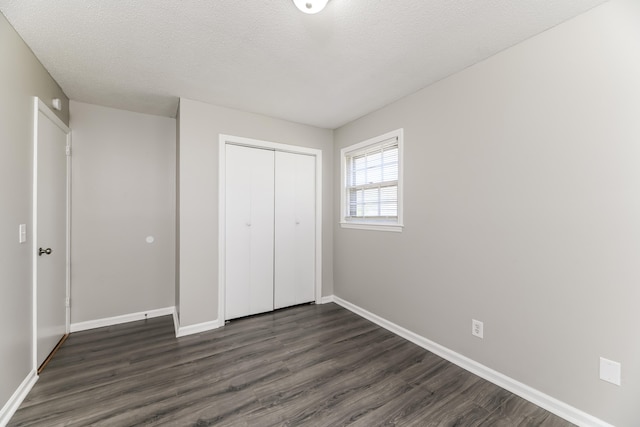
(267,57)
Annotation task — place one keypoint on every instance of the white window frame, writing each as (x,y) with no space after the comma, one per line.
(372,224)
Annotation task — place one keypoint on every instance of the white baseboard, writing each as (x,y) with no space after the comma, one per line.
(116,320)
(326,300)
(537,397)
(176,321)
(182,331)
(17,397)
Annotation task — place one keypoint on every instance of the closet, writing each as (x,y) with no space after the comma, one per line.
(270,229)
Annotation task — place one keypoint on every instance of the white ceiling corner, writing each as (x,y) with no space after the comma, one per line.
(266,56)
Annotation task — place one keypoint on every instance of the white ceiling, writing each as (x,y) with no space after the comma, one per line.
(267,57)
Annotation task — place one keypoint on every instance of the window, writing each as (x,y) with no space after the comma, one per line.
(372,183)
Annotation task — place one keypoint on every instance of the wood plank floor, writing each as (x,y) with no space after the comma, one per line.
(312,365)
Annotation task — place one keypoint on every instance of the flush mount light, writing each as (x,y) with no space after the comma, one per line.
(310,6)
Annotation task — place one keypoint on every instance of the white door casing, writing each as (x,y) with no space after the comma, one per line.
(50,231)
(294,244)
(316,154)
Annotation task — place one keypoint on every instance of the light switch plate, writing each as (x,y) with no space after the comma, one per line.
(22,233)
(610,371)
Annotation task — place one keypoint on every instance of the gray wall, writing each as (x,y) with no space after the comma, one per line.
(21,78)
(522,209)
(200,126)
(123,190)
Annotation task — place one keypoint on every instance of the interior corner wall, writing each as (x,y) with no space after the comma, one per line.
(21,78)
(176,283)
(200,127)
(522,210)
(123,191)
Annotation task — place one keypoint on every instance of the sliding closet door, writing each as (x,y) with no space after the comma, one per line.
(249,231)
(295,198)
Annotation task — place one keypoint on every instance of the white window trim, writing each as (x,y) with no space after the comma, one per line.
(371,224)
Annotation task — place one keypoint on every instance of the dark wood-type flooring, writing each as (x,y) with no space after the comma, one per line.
(312,365)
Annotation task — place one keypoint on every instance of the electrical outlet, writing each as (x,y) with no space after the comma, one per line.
(610,371)
(477,328)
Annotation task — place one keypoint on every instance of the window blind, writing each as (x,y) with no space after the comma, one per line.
(372,182)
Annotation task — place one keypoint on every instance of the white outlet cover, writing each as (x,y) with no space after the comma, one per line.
(477,328)
(610,371)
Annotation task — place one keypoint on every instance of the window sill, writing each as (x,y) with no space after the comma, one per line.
(397,228)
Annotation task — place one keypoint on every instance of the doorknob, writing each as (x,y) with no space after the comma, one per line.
(44,251)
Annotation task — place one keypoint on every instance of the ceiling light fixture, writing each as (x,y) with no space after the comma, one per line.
(310,6)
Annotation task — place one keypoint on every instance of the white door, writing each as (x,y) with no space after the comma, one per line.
(295,198)
(249,231)
(51,235)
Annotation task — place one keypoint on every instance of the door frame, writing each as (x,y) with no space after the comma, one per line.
(41,107)
(223,140)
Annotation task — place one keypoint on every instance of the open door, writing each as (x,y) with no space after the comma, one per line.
(50,232)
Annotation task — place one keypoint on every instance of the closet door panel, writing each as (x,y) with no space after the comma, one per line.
(249,231)
(294,229)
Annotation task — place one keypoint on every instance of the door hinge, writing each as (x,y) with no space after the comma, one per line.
(67,302)
(68,150)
